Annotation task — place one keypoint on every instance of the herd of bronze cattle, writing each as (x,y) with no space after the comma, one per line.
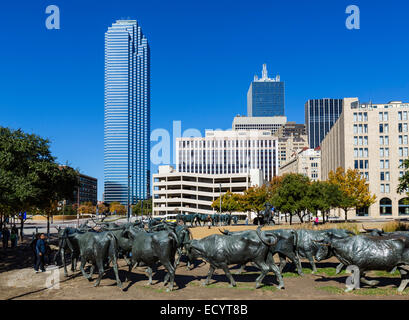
(165,243)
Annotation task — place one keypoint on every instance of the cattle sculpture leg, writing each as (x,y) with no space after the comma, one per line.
(86,276)
(404,274)
(209,275)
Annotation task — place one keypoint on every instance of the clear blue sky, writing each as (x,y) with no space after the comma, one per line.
(203,56)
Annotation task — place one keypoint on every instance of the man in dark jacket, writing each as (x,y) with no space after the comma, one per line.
(33,245)
(40,250)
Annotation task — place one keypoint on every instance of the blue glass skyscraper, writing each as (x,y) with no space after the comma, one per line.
(265,97)
(127,113)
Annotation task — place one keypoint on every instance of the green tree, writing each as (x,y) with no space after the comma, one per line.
(292,195)
(323,196)
(29,175)
(404,180)
(142,206)
(230,202)
(355,190)
(254,199)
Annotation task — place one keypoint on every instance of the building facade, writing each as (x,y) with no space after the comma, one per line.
(86,192)
(228,152)
(179,192)
(291,139)
(127,113)
(265,97)
(306,162)
(320,116)
(272,124)
(372,138)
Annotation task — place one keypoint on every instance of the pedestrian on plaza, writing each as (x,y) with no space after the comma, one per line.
(209,222)
(316,221)
(5,237)
(40,250)
(247,221)
(33,245)
(14,236)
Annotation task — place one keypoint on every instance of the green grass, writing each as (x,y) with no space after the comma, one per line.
(364,291)
(386,274)
(320,271)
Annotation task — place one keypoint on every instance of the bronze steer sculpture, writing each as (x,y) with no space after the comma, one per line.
(285,246)
(183,234)
(308,244)
(370,253)
(149,248)
(220,251)
(95,248)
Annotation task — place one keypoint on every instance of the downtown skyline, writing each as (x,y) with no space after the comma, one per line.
(192,81)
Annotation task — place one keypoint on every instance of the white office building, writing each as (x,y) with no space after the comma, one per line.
(228,152)
(259,123)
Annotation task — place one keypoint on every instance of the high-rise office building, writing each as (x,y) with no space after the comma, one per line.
(265,97)
(320,116)
(371,138)
(127,113)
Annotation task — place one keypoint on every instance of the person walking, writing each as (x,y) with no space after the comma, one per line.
(209,222)
(40,250)
(33,245)
(6,237)
(14,236)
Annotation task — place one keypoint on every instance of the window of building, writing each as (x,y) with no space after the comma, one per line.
(382,188)
(386,152)
(365,116)
(385,206)
(380,116)
(404,207)
(355,152)
(385,116)
(362,212)
(381,140)
(381,152)
(382,164)
(355,117)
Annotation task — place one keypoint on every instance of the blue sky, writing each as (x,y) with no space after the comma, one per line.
(203,58)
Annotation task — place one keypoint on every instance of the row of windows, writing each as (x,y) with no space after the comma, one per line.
(360,116)
(361,128)
(226,143)
(361,141)
(361,152)
(383,116)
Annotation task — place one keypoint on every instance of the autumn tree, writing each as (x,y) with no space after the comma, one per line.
(355,190)
(102,208)
(117,208)
(87,208)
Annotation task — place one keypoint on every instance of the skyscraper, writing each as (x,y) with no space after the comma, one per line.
(320,116)
(265,97)
(127,113)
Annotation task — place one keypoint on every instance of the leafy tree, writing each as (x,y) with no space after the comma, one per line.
(292,195)
(355,190)
(323,196)
(142,206)
(87,208)
(254,199)
(29,175)
(404,180)
(230,202)
(102,208)
(117,208)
